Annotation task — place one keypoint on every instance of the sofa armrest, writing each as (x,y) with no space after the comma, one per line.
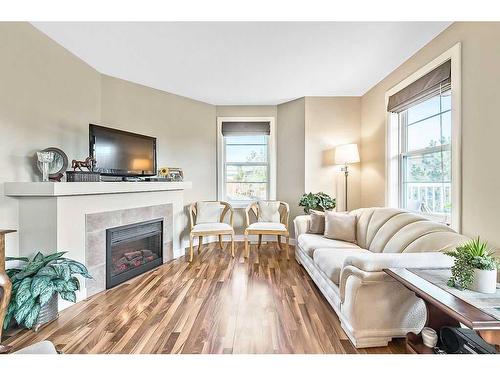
(301,224)
(374,262)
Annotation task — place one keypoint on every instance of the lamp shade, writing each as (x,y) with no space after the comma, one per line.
(347,154)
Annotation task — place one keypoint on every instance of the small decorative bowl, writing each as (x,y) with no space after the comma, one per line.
(429,337)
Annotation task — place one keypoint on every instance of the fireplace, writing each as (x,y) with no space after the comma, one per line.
(133,249)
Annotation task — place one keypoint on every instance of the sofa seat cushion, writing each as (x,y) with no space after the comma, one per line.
(211,227)
(267,226)
(309,242)
(331,261)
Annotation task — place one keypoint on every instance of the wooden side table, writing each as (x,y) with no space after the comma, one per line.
(444,309)
(5,286)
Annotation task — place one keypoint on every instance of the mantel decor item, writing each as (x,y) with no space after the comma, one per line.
(35,288)
(56,167)
(88,163)
(171,174)
(317,201)
(475,267)
(80,175)
(45,158)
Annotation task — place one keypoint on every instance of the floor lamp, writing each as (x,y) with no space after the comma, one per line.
(344,155)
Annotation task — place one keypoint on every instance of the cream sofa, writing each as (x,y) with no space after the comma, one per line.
(372,307)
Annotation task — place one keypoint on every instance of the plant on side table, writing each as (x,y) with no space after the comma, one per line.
(316,201)
(475,267)
(36,286)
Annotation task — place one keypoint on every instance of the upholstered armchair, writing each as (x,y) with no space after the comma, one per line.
(266,225)
(207,219)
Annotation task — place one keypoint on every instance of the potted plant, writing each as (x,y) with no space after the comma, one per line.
(316,201)
(36,286)
(475,267)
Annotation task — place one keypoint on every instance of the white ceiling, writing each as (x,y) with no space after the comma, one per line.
(246,62)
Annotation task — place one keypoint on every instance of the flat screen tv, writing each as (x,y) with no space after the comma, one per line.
(121,153)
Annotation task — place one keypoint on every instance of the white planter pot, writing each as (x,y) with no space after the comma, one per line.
(485,281)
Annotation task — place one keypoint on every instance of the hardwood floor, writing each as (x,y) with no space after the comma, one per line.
(217,304)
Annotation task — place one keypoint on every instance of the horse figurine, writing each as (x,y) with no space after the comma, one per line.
(87,163)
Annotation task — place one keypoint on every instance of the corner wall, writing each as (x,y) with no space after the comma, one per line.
(329,122)
(48,97)
(480,130)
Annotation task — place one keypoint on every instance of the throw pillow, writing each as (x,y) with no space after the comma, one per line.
(317,222)
(208,212)
(269,211)
(340,226)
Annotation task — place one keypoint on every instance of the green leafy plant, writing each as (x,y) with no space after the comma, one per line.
(318,201)
(34,284)
(469,256)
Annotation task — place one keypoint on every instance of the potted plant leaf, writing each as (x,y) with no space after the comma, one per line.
(316,201)
(475,267)
(36,286)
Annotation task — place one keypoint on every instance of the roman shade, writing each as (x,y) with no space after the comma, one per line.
(423,88)
(246,128)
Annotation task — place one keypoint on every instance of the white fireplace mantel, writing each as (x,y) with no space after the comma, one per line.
(55,189)
(53,216)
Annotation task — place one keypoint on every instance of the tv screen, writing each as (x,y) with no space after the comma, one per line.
(120,153)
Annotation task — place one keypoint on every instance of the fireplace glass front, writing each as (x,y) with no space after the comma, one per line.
(133,249)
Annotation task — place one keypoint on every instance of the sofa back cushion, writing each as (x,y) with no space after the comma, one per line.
(392,230)
(317,224)
(340,226)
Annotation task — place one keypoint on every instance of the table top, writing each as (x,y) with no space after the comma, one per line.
(466,313)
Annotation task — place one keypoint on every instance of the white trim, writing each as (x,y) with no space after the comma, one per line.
(391,197)
(271,153)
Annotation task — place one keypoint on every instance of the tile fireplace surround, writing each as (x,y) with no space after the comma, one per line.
(74,216)
(95,238)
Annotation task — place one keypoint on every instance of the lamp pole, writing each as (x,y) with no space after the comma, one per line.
(346,173)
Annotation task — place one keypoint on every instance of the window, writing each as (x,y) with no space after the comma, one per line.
(246,160)
(423,146)
(425,156)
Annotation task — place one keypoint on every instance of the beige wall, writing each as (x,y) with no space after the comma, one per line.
(185,129)
(480,129)
(47,98)
(290,155)
(329,122)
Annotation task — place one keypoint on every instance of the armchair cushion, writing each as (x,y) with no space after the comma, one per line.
(309,242)
(269,211)
(267,226)
(211,227)
(331,261)
(208,212)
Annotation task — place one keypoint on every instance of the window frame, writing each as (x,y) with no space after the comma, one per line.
(394,139)
(221,159)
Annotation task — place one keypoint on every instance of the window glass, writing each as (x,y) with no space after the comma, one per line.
(246,167)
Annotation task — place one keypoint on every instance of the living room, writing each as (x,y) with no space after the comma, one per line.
(249,187)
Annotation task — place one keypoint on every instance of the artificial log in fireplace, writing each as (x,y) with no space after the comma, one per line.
(133,249)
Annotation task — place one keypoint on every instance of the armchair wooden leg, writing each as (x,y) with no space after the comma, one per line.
(287,247)
(260,241)
(279,241)
(191,248)
(200,242)
(232,245)
(247,252)
(220,242)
